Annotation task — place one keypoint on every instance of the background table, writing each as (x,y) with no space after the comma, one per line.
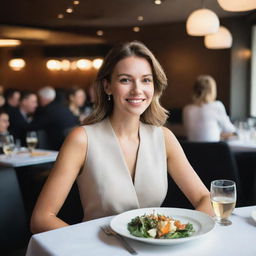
(39,156)
(88,239)
(242,146)
(17,194)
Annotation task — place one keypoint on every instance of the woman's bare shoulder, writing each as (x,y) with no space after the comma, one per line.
(171,143)
(168,134)
(76,137)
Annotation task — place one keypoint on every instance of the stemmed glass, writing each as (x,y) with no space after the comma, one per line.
(223,198)
(8,145)
(31,140)
(243,130)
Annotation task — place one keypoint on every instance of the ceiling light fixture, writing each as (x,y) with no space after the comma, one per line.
(17,64)
(202,22)
(65,65)
(60,16)
(220,40)
(84,64)
(100,33)
(136,29)
(53,65)
(157,2)
(140,18)
(96,63)
(9,42)
(237,5)
(69,10)
(76,2)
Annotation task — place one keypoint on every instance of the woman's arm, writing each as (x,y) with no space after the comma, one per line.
(55,191)
(223,119)
(184,175)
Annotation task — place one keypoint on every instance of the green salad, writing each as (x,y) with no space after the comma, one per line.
(159,226)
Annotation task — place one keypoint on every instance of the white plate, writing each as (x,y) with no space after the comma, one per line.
(202,223)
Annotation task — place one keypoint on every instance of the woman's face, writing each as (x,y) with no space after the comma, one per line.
(4,123)
(78,98)
(131,86)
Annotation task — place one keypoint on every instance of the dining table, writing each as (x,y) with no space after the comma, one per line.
(245,157)
(87,238)
(17,192)
(238,146)
(24,158)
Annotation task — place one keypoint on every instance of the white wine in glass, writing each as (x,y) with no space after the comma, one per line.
(223,198)
(8,145)
(31,140)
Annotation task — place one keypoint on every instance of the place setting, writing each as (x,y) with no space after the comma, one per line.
(17,156)
(176,228)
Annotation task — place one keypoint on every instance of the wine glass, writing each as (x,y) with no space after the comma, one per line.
(223,198)
(8,145)
(243,130)
(31,140)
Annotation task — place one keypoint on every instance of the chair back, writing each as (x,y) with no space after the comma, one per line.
(14,227)
(211,161)
(43,140)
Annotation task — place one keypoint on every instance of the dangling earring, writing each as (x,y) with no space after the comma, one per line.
(109,97)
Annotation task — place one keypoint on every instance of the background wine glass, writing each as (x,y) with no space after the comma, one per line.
(31,140)
(8,145)
(223,198)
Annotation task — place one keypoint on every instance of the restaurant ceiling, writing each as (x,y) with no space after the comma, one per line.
(99,14)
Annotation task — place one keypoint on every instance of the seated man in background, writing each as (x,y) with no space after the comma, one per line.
(206,118)
(21,117)
(12,99)
(53,117)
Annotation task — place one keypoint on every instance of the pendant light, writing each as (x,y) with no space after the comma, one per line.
(237,5)
(17,64)
(220,40)
(202,22)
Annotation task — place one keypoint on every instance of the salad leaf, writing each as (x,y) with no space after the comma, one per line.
(141,226)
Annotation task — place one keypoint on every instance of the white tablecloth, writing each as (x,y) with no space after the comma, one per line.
(88,239)
(40,156)
(242,146)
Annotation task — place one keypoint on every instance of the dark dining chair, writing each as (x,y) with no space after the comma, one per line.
(14,228)
(43,140)
(211,161)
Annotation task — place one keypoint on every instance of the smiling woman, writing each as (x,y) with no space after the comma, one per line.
(121,155)
(115,64)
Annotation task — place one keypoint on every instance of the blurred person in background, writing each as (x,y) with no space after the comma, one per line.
(90,101)
(206,118)
(4,122)
(2,99)
(21,117)
(53,117)
(12,99)
(76,99)
(4,125)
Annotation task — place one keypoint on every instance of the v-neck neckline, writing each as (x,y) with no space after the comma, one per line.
(133,180)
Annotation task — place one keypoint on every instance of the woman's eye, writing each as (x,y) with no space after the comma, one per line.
(124,80)
(147,80)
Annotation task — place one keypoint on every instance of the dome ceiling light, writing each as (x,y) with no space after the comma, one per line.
(237,5)
(220,40)
(202,22)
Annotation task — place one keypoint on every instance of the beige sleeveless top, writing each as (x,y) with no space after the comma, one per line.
(105,184)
